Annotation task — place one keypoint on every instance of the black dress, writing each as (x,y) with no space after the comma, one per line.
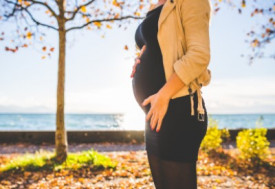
(180,135)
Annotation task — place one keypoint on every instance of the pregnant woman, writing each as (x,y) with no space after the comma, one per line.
(172,134)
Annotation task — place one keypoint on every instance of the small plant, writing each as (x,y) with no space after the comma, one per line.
(252,143)
(225,135)
(214,136)
(45,160)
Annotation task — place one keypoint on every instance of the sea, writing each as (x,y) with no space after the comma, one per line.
(46,121)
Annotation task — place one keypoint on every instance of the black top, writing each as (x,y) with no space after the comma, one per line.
(149,76)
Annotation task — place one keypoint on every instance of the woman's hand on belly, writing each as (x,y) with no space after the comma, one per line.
(159,105)
(137,60)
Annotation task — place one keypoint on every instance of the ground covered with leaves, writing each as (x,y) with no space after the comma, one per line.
(222,169)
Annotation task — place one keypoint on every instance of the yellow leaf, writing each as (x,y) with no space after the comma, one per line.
(83,9)
(108,26)
(27,3)
(243,3)
(115,3)
(137,13)
(98,24)
(29,35)
(255,43)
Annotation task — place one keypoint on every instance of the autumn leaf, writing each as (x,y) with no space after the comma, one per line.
(126,47)
(217,9)
(137,13)
(115,3)
(83,9)
(27,3)
(52,49)
(108,26)
(116,15)
(29,35)
(98,24)
(243,3)
(44,48)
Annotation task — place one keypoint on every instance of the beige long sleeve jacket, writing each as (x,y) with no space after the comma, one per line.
(183,36)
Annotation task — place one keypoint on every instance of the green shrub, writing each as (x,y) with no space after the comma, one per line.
(214,136)
(253,144)
(45,160)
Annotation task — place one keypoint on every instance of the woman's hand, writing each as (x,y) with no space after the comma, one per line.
(159,105)
(137,60)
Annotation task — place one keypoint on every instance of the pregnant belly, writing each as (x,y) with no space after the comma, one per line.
(148,78)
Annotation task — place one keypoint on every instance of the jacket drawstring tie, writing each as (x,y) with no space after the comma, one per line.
(200,106)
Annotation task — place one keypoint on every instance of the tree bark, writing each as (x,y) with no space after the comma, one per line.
(61,144)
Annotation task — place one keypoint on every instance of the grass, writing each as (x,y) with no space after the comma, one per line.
(45,160)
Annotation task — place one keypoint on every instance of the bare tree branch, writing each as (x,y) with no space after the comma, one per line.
(34,2)
(78,8)
(103,20)
(39,23)
(21,8)
(45,5)
(14,8)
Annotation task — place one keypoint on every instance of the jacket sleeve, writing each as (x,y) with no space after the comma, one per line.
(195,17)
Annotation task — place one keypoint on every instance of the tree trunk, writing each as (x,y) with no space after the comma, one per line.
(61,144)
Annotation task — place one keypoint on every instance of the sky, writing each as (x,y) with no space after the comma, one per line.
(98,72)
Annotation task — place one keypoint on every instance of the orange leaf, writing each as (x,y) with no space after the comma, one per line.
(126,47)
(29,35)
(243,3)
(115,3)
(44,48)
(83,9)
(98,24)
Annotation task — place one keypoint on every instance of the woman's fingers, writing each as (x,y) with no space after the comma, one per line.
(154,120)
(159,123)
(142,49)
(137,60)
